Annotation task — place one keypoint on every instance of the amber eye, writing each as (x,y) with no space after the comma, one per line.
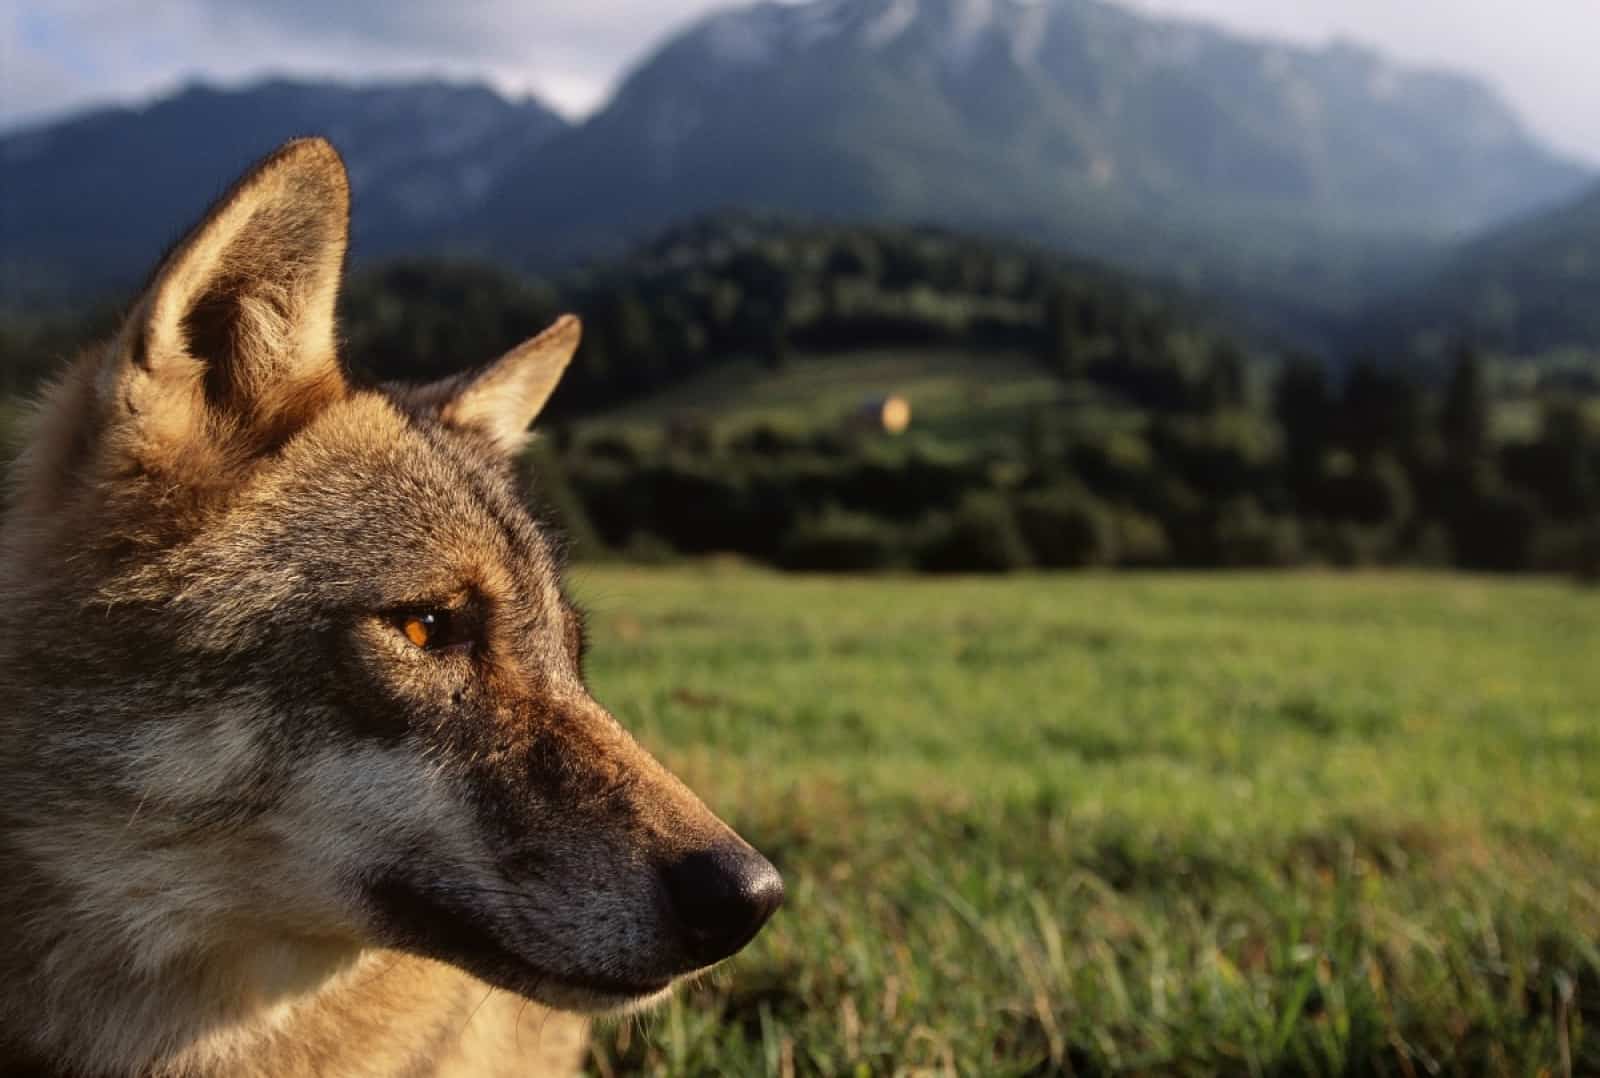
(424,629)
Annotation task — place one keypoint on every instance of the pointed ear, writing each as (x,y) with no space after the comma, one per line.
(235,338)
(504,398)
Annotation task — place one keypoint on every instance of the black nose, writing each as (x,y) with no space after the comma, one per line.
(722,897)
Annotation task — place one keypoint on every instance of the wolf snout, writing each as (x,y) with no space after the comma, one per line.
(721,897)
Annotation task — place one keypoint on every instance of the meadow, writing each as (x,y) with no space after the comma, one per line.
(1165,823)
(961,397)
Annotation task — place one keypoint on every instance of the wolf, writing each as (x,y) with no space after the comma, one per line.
(299,773)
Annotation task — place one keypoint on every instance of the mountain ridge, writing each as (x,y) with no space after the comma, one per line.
(85,210)
(1528,287)
(1294,183)
(1147,143)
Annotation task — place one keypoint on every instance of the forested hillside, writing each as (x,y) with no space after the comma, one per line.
(1530,288)
(1062,414)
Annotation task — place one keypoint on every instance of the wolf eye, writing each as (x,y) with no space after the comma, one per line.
(427,629)
(419,628)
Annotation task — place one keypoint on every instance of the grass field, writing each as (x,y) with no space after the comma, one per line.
(1139,824)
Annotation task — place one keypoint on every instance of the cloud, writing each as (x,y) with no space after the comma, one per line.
(61,54)
(58,54)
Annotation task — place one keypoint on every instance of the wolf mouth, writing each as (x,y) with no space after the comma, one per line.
(417,920)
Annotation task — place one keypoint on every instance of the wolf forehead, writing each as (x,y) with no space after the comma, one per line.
(378,477)
(373,505)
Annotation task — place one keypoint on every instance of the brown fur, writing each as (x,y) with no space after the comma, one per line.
(246,826)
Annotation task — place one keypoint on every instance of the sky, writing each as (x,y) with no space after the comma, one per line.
(57,55)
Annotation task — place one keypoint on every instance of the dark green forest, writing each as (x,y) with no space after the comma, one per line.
(1151,435)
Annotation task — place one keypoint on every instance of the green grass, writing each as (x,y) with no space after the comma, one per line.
(1140,824)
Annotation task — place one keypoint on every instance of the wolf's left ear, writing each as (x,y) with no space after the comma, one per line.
(504,398)
(236,335)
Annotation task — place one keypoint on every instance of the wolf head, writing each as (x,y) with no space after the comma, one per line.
(291,667)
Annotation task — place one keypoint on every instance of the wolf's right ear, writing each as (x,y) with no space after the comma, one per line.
(234,342)
(501,400)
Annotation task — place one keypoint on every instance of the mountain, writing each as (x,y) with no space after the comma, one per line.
(1528,287)
(1241,165)
(1293,184)
(90,201)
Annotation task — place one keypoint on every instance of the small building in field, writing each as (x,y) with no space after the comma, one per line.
(889,414)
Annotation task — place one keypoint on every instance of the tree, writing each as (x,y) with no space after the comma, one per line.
(1063,351)
(1465,418)
(1381,411)
(1225,383)
(1302,401)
